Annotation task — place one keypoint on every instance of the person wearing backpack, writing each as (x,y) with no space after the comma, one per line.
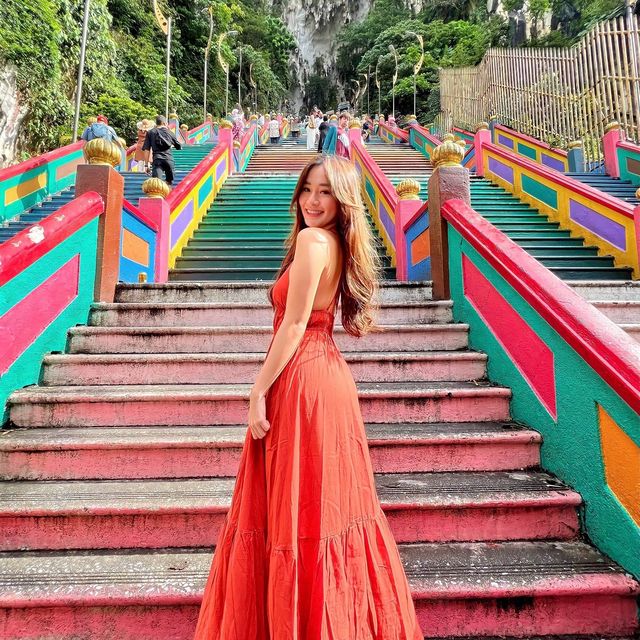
(160,140)
(99,128)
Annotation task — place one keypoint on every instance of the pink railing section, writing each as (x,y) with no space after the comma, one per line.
(26,184)
(392,134)
(391,215)
(604,220)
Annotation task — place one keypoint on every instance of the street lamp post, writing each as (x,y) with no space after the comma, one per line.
(395,79)
(206,59)
(417,67)
(225,67)
(378,85)
(366,86)
(254,86)
(83,50)
(240,79)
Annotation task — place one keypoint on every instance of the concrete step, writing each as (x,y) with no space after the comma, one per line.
(424,337)
(241,274)
(224,404)
(218,368)
(613,290)
(620,311)
(142,514)
(76,453)
(509,589)
(250,292)
(239,314)
(632,329)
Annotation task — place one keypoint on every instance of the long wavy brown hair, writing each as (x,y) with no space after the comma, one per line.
(361,264)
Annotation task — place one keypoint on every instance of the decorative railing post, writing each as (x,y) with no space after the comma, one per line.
(448,181)
(408,204)
(225,137)
(157,209)
(100,176)
(483,136)
(575,157)
(494,121)
(613,134)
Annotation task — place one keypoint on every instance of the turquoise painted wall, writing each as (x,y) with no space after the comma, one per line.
(26,369)
(571,447)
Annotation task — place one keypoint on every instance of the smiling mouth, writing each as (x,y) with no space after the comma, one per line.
(313,212)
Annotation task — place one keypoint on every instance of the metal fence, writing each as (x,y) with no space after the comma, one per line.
(555,94)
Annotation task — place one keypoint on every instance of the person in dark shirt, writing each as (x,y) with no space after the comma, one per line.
(324,126)
(160,140)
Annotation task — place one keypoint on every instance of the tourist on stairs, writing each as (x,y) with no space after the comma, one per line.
(312,134)
(323,127)
(160,140)
(274,129)
(342,143)
(306,551)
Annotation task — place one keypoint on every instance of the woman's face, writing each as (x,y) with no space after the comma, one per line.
(318,205)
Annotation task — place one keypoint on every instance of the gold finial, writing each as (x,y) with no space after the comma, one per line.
(493,117)
(333,117)
(448,137)
(225,124)
(101,151)
(237,144)
(411,117)
(173,116)
(155,188)
(638,193)
(355,124)
(209,117)
(184,127)
(574,144)
(142,277)
(462,143)
(253,116)
(482,126)
(612,126)
(448,154)
(408,189)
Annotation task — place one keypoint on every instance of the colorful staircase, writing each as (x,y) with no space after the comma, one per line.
(242,235)
(185,160)
(118,472)
(622,189)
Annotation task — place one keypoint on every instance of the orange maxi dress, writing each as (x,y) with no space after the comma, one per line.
(306,552)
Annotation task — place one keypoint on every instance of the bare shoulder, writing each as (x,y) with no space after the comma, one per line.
(313,238)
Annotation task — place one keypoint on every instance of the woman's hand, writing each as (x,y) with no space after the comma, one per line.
(258,422)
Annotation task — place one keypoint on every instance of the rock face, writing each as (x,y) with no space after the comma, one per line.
(12,113)
(315,26)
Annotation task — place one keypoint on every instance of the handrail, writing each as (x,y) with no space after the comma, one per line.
(422,210)
(140,215)
(397,131)
(531,140)
(563,180)
(427,134)
(189,182)
(246,139)
(32,243)
(38,161)
(386,187)
(613,354)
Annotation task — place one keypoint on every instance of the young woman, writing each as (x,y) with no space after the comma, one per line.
(306,552)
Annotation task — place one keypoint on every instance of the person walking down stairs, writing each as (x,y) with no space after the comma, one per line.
(305,508)
(160,140)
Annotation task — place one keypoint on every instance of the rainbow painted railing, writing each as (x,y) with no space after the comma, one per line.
(467,136)
(621,157)
(285,128)
(531,148)
(243,154)
(47,275)
(422,140)
(26,184)
(574,374)
(264,134)
(189,201)
(139,244)
(403,224)
(603,220)
(392,134)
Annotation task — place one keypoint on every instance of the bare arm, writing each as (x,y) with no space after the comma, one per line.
(311,258)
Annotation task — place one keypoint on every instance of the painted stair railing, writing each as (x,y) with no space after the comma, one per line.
(402,223)
(621,157)
(391,133)
(47,284)
(425,142)
(244,152)
(30,182)
(47,271)
(603,220)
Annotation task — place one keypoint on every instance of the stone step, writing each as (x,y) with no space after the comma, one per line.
(632,329)
(239,314)
(620,311)
(142,514)
(508,589)
(224,404)
(424,337)
(613,290)
(250,292)
(76,453)
(218,368)
(242,274)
